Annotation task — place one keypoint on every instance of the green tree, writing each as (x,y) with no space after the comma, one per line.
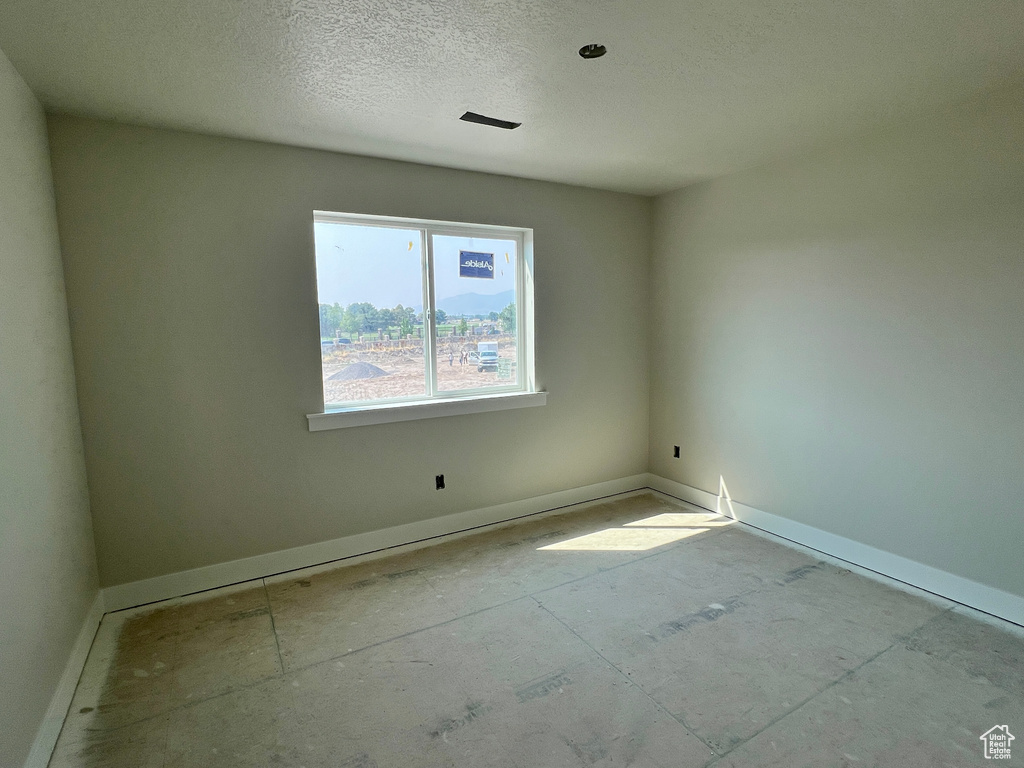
(508,318)
(463,327)
(351,324)
(493,317)
(407,319)
(331,318)
(441,316)
(404,314)
(362,317)
(404,318)
(384,320)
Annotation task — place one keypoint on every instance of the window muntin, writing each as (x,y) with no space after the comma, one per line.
(409,310)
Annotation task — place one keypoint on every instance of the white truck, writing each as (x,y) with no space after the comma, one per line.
(487,356)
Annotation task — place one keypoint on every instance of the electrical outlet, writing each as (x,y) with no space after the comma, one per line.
(675,451)
(439,482)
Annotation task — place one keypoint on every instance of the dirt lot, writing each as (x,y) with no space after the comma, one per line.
(403,363)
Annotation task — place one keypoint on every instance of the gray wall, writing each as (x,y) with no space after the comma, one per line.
(189,264)
(842,338)
(47,565)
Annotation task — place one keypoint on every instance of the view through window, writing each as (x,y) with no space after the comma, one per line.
(418,310)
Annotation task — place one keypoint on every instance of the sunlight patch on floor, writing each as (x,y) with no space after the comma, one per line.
(624,539)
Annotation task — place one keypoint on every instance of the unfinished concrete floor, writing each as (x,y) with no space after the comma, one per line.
(637,632)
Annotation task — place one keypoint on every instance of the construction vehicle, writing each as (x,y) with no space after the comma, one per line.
(487,356)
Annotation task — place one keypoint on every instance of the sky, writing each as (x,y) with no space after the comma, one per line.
(383,265)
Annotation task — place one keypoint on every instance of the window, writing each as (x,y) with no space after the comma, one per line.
(421,313)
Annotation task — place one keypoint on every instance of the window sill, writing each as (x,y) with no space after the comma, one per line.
(385,414)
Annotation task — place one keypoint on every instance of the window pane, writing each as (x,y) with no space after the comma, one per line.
(370,287)
(475,292)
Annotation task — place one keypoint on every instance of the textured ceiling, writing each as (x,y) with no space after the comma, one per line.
(689,88)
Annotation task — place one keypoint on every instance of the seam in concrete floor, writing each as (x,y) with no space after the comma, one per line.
(846,675)
(273,625)
(627,677)
(832,683)
(802,704)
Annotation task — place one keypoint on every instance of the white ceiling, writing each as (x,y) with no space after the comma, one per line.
(689,88)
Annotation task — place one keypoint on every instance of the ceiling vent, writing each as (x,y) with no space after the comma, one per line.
(473,117)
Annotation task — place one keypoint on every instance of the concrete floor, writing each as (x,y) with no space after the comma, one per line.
(638,632)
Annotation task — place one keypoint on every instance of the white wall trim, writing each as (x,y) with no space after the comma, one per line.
(222,574)
(53,720)
(996,602)
(424,409)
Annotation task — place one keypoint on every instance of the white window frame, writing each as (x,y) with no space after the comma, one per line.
(436,403)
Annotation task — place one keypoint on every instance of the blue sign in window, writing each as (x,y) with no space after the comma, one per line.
(473,264)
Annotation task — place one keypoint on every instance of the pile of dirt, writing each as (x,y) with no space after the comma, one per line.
(357,371)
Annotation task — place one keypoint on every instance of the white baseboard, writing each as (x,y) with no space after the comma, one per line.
(53,721)
(173,585)
(990,600)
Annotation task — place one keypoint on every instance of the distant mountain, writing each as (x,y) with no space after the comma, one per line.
(476,303)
